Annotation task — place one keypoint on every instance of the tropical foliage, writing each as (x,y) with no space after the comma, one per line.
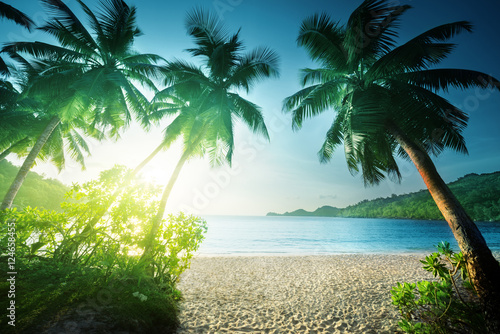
(387,106)
(208,97)
(13,14)
(113,229)
(15,125)
(108,250)
(111,235)
(374,86)
(448,305)
(37,191)
(480,195)
(88,77)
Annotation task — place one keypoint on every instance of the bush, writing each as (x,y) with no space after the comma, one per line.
(91,252)
(59,297)
(447,305)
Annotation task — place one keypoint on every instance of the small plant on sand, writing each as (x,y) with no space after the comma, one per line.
(446,305)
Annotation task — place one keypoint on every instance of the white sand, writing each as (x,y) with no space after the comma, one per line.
(295,294)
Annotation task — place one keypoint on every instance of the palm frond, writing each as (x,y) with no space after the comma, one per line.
(4,68)
(207,31)
(429,120)
(376,160)
(251,114)
(369,31)
(259,64)
(53,149)
(443,78)
(77,147)
(310,76)
(119,27)
(144,75)
(444,32)
(312,101)
(217,151)
(323,41)
(229,135)
(334,137)
(43,51)
(179,71)
(142,58)
(175,129)
(13,14)
(369,107)
(420,52)
(67,28)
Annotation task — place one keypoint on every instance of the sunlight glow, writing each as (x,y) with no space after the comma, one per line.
(154,174)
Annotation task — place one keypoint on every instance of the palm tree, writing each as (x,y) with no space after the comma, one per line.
(11,13)
(209,99)
(387,105)
(11,141)
(22,118)
(86,74)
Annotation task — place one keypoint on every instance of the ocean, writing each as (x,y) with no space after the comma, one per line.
(247,235)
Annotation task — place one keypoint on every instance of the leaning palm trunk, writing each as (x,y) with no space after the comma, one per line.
(147,160)
(483,268)
(28,163)
(67,249)
(149,239)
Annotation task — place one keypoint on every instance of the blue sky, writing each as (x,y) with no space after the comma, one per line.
(285,174)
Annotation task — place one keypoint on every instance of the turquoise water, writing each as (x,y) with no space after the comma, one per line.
(242,235)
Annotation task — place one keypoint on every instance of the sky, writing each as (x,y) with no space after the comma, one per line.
(284,174)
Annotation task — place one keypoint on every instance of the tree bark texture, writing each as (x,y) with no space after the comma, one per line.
(484,269)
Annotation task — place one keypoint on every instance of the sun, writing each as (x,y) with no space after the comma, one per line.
(154,174)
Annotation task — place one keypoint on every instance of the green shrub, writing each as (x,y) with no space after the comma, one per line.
(88,257)
(47,292)
(446,305)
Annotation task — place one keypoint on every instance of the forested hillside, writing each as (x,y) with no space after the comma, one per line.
(37,191)
(479,194)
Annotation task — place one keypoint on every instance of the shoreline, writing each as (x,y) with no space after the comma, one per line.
(253,255)
(423,254)
(331,293)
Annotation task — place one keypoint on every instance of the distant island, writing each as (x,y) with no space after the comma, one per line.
(479,194)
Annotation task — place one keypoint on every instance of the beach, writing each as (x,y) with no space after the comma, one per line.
(295,294)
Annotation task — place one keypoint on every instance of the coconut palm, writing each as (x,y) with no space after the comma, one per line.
(209,97)
(387,105)
(11,13)
(90,74)
(23,118)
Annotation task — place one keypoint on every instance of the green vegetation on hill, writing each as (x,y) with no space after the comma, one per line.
(479,194)
(37,191)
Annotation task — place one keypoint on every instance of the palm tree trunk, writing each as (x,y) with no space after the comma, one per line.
(483,268)
(161,210)
(148,159)
(28,163)
(7,151)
